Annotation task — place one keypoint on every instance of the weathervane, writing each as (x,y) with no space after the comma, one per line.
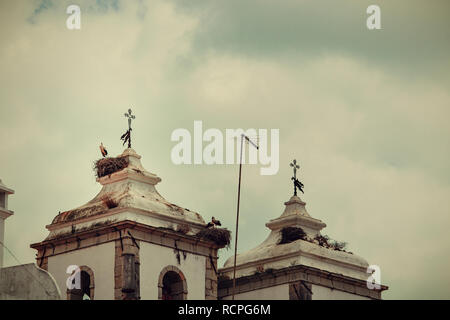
(297,184)
(127,135)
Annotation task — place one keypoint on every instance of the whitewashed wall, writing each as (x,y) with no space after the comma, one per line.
(324,293)
(280,292)
(99,258)
(154,258)
(2,239)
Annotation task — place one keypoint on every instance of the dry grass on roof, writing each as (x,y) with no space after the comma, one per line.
(107,166)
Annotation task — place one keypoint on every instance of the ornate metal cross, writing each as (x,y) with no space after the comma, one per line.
(130,117)
(126,137)
(297,184)
(294,165)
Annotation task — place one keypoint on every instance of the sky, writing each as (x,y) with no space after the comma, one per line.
(364,112)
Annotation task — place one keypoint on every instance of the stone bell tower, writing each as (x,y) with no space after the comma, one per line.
(297,262)
(129,242)
(305,266)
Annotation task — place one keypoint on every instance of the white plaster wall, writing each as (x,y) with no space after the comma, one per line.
(280,292)
(325,293)
(27,282)
(2,239)
(154,258)
(99,258)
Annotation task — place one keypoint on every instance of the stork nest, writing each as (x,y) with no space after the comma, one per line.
(107,166)
(290,234)
(219,236)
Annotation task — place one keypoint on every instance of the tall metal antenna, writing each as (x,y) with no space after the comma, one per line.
(243,136)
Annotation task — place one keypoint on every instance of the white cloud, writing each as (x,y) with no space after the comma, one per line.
(372,144)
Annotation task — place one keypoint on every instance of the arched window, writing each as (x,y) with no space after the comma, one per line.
(172,284)
(87,286)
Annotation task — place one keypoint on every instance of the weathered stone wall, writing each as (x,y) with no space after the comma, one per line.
(211,277)
(126,268)
(27,282)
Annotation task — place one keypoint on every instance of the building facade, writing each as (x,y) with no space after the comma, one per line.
(296,262)
(130,243)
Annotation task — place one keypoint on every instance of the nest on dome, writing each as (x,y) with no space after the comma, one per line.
(107,166)
(290,234)
(219,236)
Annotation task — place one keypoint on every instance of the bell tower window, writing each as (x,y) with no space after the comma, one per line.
(86,290)
(172,284)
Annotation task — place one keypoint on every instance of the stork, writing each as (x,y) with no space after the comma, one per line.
(103,150)
(216,222)
(213,223)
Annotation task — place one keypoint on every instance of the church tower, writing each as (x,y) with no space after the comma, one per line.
(296,262)
(129,242)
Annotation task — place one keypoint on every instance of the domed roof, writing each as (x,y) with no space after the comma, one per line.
(131,188)
(273,254)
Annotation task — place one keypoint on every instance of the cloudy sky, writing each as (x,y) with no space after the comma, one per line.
(364,112)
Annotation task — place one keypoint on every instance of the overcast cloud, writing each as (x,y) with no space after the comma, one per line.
(364,112)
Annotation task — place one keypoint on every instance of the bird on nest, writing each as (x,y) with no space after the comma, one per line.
(103,150)
(213,223)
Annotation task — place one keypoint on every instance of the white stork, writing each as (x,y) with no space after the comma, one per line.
(216,222)
(103,150)
(213,223)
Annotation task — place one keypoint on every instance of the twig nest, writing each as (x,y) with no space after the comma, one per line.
(220,236)
(107,166)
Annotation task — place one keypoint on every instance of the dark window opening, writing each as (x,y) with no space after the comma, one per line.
(84,292)
(3,200)
(172,286)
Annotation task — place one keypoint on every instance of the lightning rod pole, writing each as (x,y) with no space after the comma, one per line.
(237,220)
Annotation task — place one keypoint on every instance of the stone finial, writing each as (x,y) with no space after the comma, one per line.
(295,215)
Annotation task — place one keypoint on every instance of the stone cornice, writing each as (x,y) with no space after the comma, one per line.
(128,173)
(295,254)
(293,219)
(5,213)
(113,228)
(291,274)
(119,210)
(4,188)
